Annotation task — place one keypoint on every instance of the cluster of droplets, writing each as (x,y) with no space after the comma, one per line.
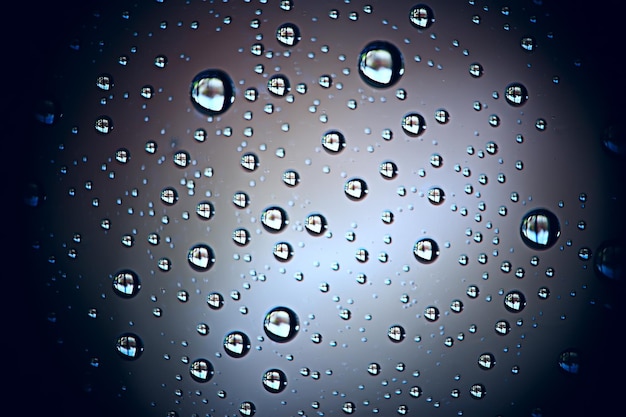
(380,64)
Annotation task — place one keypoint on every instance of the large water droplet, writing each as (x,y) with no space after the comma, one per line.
(201,370)
(381,64)
(355,189)
(540,229)
(396,333)
(274,219)
(421,16)
(413,124)
(514,301)
(126,284)
(278,85)
(201,257)
(129,346)
(288,34)
(274,381)
(236,344)
(426,250)
(569,361)
(333,141)
(516,94)
(212,91)
(315,224)
(608,261)
(281,324)
(486,361)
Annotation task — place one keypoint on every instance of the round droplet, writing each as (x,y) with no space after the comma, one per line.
(373,368)
(249,161)
(333,141)
(486,361)
(476,70)
(212,92)
(413,124)
(426,250)
(421,16)
(381,64)
(540,229)
(442,116)
(514,301)
(215,300)
(169,196)
(201,257)
(282,251)
(431,313)
(274,381)
(355,189)
(608,261)
(288,34)
(388,170)
(103,124)
(396,333)
(315,224)
(436,196)
(205,210)
(281,324)
(477,391)
(274,219)
(502,327)
(348,407)
(126,284)
(515,94)
(569,361)
(129,346)
(278,85)
(241,237)
(241,200)
(247,409)
(291,177)
(182,159)
(201,370)
(528,43)
(104,82)
(236,344)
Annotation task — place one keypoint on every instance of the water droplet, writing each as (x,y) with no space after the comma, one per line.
(205,210)
(288,34)
(355,189)
(486,361)
(413,124)
(515,94)
(315,224)
(476,70)
(274,219)
(281,324)
(201,257)
(333,141)
(514,301)
(528,43)
(477,391)
(249,161)
(608,261)
(373,368)
(396,333)
(291,178)
(247,409)
(426,250)
(540,229)
(212,92)
(442,116)
(569,361)
(381,64)
(241,200)
(129,346)
(278,85)
(421,16)
(282,251)
(274,381)
(236,344)
(201,370)
(431,313)
(436,195)
(126,284)
(215,300)
(388,169)
(103,124)
(502,327)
